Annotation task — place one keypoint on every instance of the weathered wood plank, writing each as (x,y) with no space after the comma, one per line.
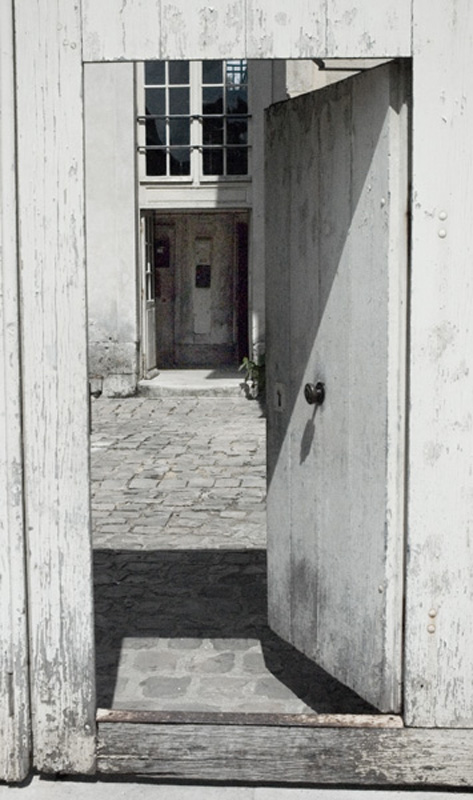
(439,610)
(54,382)
(275,28)
(14,705)
(288,755)
(113,27)
(229,718)
(147,29)
(190,29)
(361,28)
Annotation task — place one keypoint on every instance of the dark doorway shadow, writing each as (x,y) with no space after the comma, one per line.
(200,594)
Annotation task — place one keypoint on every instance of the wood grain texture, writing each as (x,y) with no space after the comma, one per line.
(149,29)
(372,30)
(54,381)
(257,719)
(335,556)
(14,699)
(287,755)
(439,611)
(189,29)
(274,28)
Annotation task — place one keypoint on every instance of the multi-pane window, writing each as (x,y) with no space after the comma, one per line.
(196,118)
(225,117)
(167,112)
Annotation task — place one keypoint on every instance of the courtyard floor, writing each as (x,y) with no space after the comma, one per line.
(179,526)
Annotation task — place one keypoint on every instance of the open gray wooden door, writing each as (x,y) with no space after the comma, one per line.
(336,283)
(148,295)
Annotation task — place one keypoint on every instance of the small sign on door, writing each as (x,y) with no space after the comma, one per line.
(202,276)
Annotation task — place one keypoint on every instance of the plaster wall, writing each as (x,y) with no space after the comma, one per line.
(111,220)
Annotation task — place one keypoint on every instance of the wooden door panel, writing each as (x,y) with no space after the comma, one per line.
(149,295)
(337,194)
(205,289)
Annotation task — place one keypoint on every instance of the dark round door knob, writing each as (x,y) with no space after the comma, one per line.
(314,393)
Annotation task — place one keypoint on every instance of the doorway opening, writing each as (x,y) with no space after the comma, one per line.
(180,582)
(194,291)
(180,565)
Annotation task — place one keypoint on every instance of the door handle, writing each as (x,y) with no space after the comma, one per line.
(314,393)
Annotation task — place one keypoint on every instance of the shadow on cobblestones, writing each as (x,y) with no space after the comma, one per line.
(187,630)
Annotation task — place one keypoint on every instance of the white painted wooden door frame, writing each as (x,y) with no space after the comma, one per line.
(50,185)
(14,692)
(52,40)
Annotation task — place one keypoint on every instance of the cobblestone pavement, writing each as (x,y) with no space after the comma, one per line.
(176,472)
(178,489)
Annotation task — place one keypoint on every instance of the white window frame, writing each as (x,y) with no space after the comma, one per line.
(196,176)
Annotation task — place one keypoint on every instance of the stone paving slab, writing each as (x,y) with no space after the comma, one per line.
(179,527)
(187,630)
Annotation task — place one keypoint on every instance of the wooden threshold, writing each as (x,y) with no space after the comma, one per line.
(286,749)
(234,718)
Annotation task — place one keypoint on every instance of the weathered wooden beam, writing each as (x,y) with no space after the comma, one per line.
(258,719)
(439,598)
(54,382)
(288,755)
(150,29)
(14,701)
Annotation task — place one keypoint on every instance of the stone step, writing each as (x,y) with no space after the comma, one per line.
(194,383)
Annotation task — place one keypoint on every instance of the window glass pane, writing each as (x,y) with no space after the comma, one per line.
(154,72)
(155,101)
(236,73)
(237,161)
(155,131)
(155,162)
(237,131)
(237,101)
(212,101)
(212,71)
(178,101)
(212,131)
(180,161)
(213,161)
(179,130)
(178,72)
